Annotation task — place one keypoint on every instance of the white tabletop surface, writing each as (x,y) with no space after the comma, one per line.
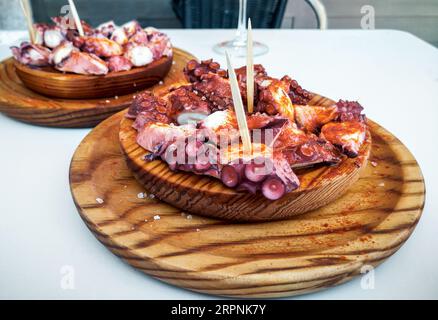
(393,74)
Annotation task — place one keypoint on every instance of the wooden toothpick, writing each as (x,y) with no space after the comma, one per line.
(27,11)
(76,17)
(238,108)
(249,70)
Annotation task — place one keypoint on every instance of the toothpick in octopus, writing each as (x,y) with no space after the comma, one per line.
(27,11)
(249,70)
(239,109)
(76,18)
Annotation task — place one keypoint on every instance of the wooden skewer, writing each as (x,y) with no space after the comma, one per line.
(76,17)
(249,70)
(29,20)
(238,108)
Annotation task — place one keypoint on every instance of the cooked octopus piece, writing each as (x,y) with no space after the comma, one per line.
(119,63)
(119,36)
(48,36)
(349,111)
(147,108)
(131,27)
(32,54)
(302,149)
(347,136)
(107,28)
(273,99)
(62,52)
(259,71)
(155,137)
(102,47)
(226,119)
(310,153)
(297,94)
(195,70)
(264,170)
(185,106)
(139,37)
(159,43)
(139,55)
(82,63)
(312,118)
(216,89)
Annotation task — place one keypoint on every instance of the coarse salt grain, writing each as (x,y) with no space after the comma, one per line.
(382,184)
(116,97)
(189,217)
(141,195)
(151,196)
(157,217)
(107,101)
(374,163)
(183,214)
(160,83)
(173,62)
(197,230)
(99,200)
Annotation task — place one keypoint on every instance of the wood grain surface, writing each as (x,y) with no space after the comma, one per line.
(50,82)
(310,252)
(19,102)
(210,197)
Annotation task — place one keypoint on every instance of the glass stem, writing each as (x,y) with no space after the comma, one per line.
(240,39)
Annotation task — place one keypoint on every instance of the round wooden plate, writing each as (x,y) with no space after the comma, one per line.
(210,197)
(307,253)
(19,102)
(50,82)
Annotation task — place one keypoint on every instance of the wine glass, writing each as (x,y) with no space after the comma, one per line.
(237,46)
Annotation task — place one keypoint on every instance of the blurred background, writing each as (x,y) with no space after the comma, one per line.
(419,17)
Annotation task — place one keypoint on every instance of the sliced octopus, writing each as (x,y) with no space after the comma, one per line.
(193,128)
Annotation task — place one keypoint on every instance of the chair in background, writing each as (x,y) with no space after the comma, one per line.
(224,13)
(320,13)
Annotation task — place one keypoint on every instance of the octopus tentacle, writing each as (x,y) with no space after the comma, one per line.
(194,70)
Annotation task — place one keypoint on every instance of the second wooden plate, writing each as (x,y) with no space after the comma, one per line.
(50,82)
(19,102)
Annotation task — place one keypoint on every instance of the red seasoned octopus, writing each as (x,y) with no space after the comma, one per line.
(193,128)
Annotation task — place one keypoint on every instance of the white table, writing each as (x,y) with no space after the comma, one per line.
(393,74)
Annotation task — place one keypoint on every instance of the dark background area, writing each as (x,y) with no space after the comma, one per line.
(156,13)
(170,13)
(419,17)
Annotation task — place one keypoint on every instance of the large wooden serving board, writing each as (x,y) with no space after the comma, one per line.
(307,253)
(19,102)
